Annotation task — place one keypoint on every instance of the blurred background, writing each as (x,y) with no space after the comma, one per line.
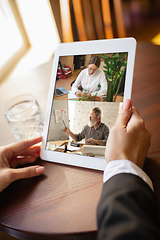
(30,30)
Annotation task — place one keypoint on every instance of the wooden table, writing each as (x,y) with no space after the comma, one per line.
(61,204)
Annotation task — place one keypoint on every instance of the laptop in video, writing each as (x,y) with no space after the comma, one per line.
(61,91)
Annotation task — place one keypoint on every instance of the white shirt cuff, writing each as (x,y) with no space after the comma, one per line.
(125,166)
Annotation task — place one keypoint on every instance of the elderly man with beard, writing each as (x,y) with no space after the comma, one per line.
(95,132)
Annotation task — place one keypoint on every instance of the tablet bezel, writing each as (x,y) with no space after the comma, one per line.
(84,48)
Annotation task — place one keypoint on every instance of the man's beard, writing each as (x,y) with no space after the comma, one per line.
(91,123)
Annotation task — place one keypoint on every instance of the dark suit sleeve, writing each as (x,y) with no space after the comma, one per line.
(127,210)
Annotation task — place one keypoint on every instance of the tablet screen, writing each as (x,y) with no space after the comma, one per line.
(89,82)
(87,95)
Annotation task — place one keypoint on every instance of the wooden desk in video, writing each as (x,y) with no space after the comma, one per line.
(70,149)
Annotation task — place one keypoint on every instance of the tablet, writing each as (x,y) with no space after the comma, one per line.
(97,78)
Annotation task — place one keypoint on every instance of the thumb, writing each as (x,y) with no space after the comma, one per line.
(26,172)
(125,113)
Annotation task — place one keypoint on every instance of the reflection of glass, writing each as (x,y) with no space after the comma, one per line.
(24,117)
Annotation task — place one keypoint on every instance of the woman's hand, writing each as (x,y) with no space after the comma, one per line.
(128,138)
(17,154)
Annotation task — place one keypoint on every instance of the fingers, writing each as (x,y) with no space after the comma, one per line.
(130,137)
(136,122)
(129,117)
(88,94)
(22,160)
(25,156)
(26,172)
(65,129)
(20,146)
(78,94)
(30,151)
(9,175)
(135,111)
(125,113)
(90,140)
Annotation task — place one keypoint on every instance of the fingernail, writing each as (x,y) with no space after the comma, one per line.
(127,104)
(39,170)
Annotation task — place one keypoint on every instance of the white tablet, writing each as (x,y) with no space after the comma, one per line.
(89,82)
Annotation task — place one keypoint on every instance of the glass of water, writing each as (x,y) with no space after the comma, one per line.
(24,117)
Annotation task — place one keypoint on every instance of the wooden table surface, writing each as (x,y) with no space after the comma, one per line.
(61,204)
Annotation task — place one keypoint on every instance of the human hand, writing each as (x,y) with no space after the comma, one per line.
(79,94)
(128,138)
(66,130)
(91,140)
(88,94)
(16,154)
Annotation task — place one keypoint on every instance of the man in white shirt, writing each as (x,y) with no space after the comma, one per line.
(91,79)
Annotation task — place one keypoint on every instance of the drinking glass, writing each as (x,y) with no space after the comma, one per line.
(24,117)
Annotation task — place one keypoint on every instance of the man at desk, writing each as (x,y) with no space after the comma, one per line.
(92,80)
(95,133)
